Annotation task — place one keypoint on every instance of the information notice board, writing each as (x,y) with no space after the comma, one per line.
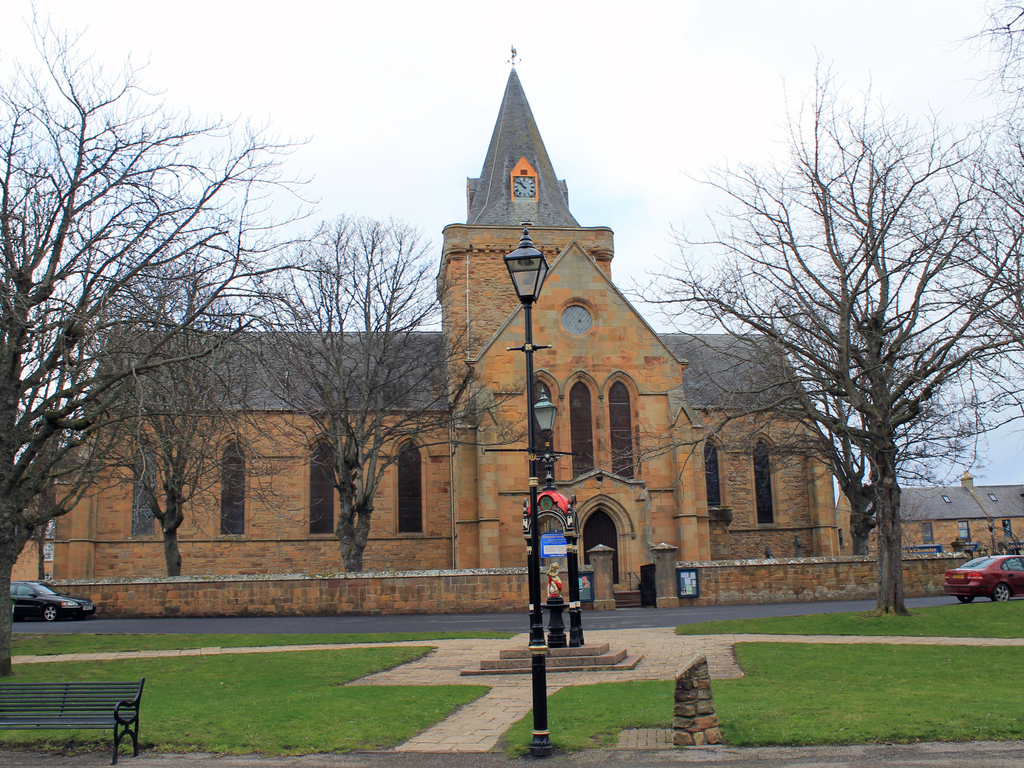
(689,582)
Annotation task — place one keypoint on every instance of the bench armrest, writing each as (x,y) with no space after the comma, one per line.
(134,705)
(130,703)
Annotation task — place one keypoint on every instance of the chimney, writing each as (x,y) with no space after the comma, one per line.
(967,481)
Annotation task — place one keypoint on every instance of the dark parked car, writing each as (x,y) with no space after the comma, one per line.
(997,578)
(33,599)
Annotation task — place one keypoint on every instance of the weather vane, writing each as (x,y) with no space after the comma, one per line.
(514,54)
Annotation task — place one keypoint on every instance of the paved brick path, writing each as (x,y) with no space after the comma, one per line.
(478,726)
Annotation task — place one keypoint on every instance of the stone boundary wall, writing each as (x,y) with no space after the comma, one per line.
(480,590)
(779,580)
(469,591)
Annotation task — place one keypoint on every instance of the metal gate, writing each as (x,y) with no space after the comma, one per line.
(648,589)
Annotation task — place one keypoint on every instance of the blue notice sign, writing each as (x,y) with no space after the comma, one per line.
(552,544)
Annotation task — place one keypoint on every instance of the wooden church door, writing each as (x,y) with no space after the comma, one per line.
(600,529)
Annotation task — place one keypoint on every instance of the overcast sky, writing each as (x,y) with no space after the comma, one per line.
(396,101)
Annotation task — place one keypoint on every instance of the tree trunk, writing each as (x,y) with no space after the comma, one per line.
(862,512)
(170,521)
(353,533)
(862,522)
(171,553)
(12,541)
(890,537)
(41,553)
(6,621)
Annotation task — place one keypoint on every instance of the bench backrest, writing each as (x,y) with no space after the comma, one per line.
(60,699)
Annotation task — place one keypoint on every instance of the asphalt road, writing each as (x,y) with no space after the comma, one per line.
(500,622)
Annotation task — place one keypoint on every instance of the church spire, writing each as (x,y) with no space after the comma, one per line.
(517,183)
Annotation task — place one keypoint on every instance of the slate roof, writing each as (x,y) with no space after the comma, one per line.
(280,366)
(714,378)
(727,372)
(928,504)
(516,136)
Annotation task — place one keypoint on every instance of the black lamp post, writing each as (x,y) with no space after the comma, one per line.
(527,267)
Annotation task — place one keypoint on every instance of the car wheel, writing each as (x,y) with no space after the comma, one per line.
(965,598)
(1001,593)
(49,613)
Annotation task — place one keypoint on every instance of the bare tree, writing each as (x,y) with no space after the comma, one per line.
(1003,35)
(870,262)
(746,389)
(101,190)
(358,356)
(176,418)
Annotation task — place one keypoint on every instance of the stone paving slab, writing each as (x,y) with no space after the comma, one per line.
(646,738)
(510,697)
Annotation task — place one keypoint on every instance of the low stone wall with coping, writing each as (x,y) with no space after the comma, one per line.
(781,580)
(481,590)
(465,591)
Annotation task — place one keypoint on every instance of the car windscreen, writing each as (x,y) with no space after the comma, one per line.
(46,589)
(978,562)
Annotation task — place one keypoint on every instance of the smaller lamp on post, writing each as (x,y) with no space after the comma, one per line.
(545,411)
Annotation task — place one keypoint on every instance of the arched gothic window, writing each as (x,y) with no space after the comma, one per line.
(321,488)
(410,490)
(143,475)
(620,420)
(581,428)
(232,490)
(763,485)
(711,478)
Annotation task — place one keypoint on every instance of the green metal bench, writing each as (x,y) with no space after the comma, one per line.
(40,706)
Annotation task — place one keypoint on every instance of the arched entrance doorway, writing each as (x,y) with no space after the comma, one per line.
(600,529)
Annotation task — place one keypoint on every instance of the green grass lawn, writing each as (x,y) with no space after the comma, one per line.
(797,694)
(24,644)
(277,703)
(585,716)
(979,619)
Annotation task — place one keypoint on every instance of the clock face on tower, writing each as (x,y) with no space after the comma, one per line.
(524,186)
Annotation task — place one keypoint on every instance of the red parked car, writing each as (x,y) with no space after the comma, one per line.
(997,578)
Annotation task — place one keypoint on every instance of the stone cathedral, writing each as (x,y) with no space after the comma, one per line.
(633,409)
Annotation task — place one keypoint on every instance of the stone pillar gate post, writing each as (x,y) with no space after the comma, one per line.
(604,594)
(664,556)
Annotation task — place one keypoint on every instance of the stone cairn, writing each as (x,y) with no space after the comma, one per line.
(694,720)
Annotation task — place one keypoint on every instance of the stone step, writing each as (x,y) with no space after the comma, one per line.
(627,663)
(628,599)
(586,650)
(604,660)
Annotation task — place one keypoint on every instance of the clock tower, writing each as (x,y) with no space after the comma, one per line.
(517,186)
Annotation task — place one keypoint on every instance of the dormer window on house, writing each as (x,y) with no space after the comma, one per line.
(993,497)
(946,499)
(523,180)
